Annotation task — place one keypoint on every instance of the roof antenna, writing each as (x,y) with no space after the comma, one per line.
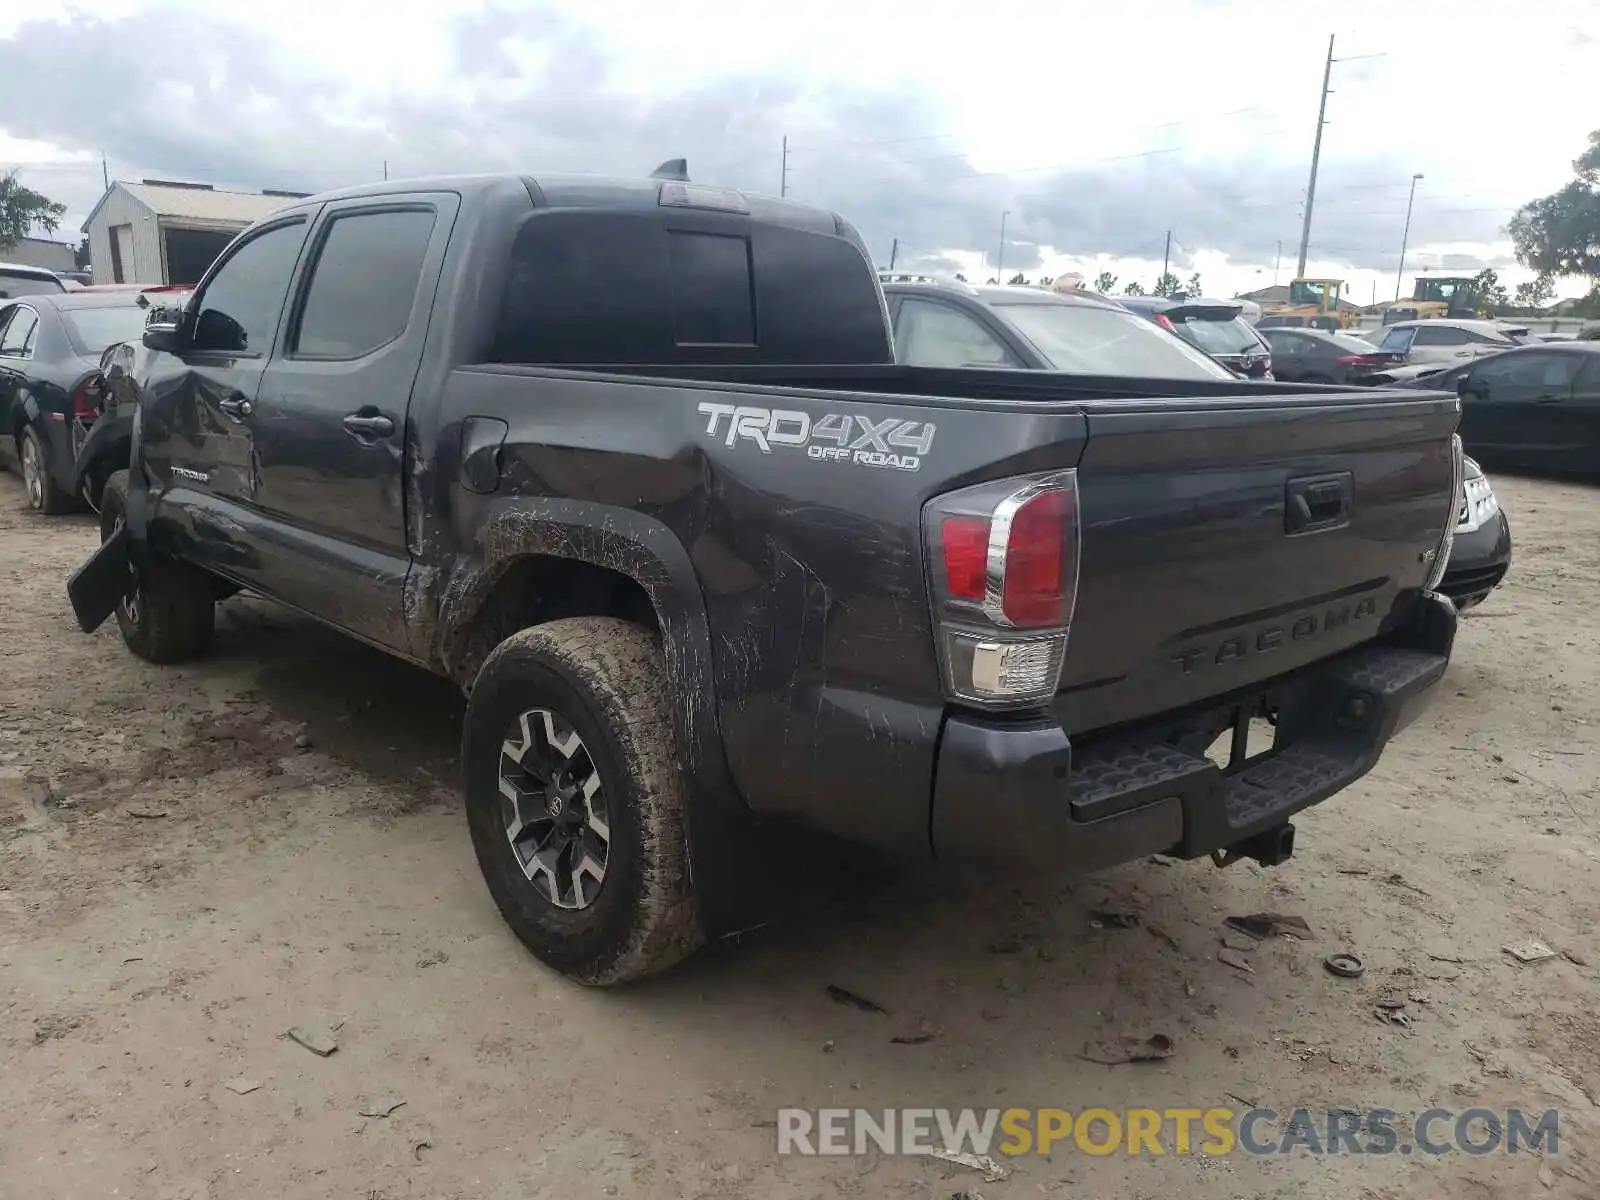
(674,168)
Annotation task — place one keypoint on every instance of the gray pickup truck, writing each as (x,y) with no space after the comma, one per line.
(632,463)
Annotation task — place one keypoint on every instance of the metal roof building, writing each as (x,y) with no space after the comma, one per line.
(158,231)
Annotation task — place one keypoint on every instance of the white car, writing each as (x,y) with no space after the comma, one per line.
(1448,341)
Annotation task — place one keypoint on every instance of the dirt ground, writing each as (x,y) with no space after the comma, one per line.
(181,883)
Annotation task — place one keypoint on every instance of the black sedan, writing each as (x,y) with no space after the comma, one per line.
(1216,326)
(1318,356)
(1534,409)
(50,382)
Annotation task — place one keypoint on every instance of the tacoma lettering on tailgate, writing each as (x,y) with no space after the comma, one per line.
(1272,637)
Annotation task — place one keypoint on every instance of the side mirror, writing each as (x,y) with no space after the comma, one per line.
(168,339)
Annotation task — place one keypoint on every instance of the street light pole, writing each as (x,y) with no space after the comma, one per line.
(1000,259)
(1399,279)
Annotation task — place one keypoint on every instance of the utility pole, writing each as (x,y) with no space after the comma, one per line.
(1000,259)
(783,178)
(894,251)
(1165,255)
(1316,158)
(1400,275)
(386,170)
(105,171)
(1277,263)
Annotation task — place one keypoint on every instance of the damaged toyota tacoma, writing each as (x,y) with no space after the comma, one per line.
(631,462)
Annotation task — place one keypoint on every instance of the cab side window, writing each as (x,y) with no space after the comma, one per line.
(239,309)
(364,283)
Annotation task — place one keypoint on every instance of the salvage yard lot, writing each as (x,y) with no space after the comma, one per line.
(195,860)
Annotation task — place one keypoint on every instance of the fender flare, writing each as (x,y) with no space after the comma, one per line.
(721,826)
(616,539)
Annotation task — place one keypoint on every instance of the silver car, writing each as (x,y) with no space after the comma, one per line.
(1448,340)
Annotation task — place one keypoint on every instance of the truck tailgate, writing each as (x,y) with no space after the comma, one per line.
(1226,542)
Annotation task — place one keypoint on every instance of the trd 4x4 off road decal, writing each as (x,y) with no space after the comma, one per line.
(892,443)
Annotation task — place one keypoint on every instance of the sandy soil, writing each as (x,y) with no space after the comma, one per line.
(180,883)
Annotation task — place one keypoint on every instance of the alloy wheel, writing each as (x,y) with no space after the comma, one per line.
(553,803)
(33,472)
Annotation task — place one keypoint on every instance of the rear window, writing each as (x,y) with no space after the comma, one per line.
(93,329)
(1350,344)
(1090,340)
(1233,336)
(591,288)
(20,284)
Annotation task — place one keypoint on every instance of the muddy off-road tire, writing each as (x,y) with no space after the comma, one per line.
(574,799)
(169,613)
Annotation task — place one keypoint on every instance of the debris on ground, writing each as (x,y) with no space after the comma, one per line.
(433,958)
(845,996)
(926,1032)
(1392,1011)
(1417,997)
(1239,942)
(1115,1051)
(1546,1176)
(827,1046)
(148,814)
(1345,966)
(380,1105)
(302,741)
(240,1086)
(1447,958)
(1529,950)
(1112,919)
(967,1194)
(1236,960)
(319,1041)
(1575,957)
(1262,926)
(993,1172)
(1395,879)
(1162,936)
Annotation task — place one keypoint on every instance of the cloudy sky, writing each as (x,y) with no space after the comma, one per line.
(1095,127)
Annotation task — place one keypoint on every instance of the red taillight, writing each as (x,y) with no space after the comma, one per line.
(1356,360)
(1003,601)
(86,400)
(1034,595)
(966,556)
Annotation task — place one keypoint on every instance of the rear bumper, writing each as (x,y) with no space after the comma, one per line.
(1478,562)
(1023,793)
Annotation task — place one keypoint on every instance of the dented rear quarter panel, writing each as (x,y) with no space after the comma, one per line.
(790,588)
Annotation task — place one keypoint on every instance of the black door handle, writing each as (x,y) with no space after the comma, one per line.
(368,425)
(236,406)
(1321,502)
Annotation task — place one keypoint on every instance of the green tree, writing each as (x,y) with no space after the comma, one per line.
(1559,234)
(1167,285)
(1193,286)
(1017,280)
(1133,289)
(1536,293)
(1105,282)
(960,278)
(1490,291)
(80,256)
(21,209)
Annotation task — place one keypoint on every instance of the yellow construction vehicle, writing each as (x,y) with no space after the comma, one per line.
(1312,302)
(1436,296)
